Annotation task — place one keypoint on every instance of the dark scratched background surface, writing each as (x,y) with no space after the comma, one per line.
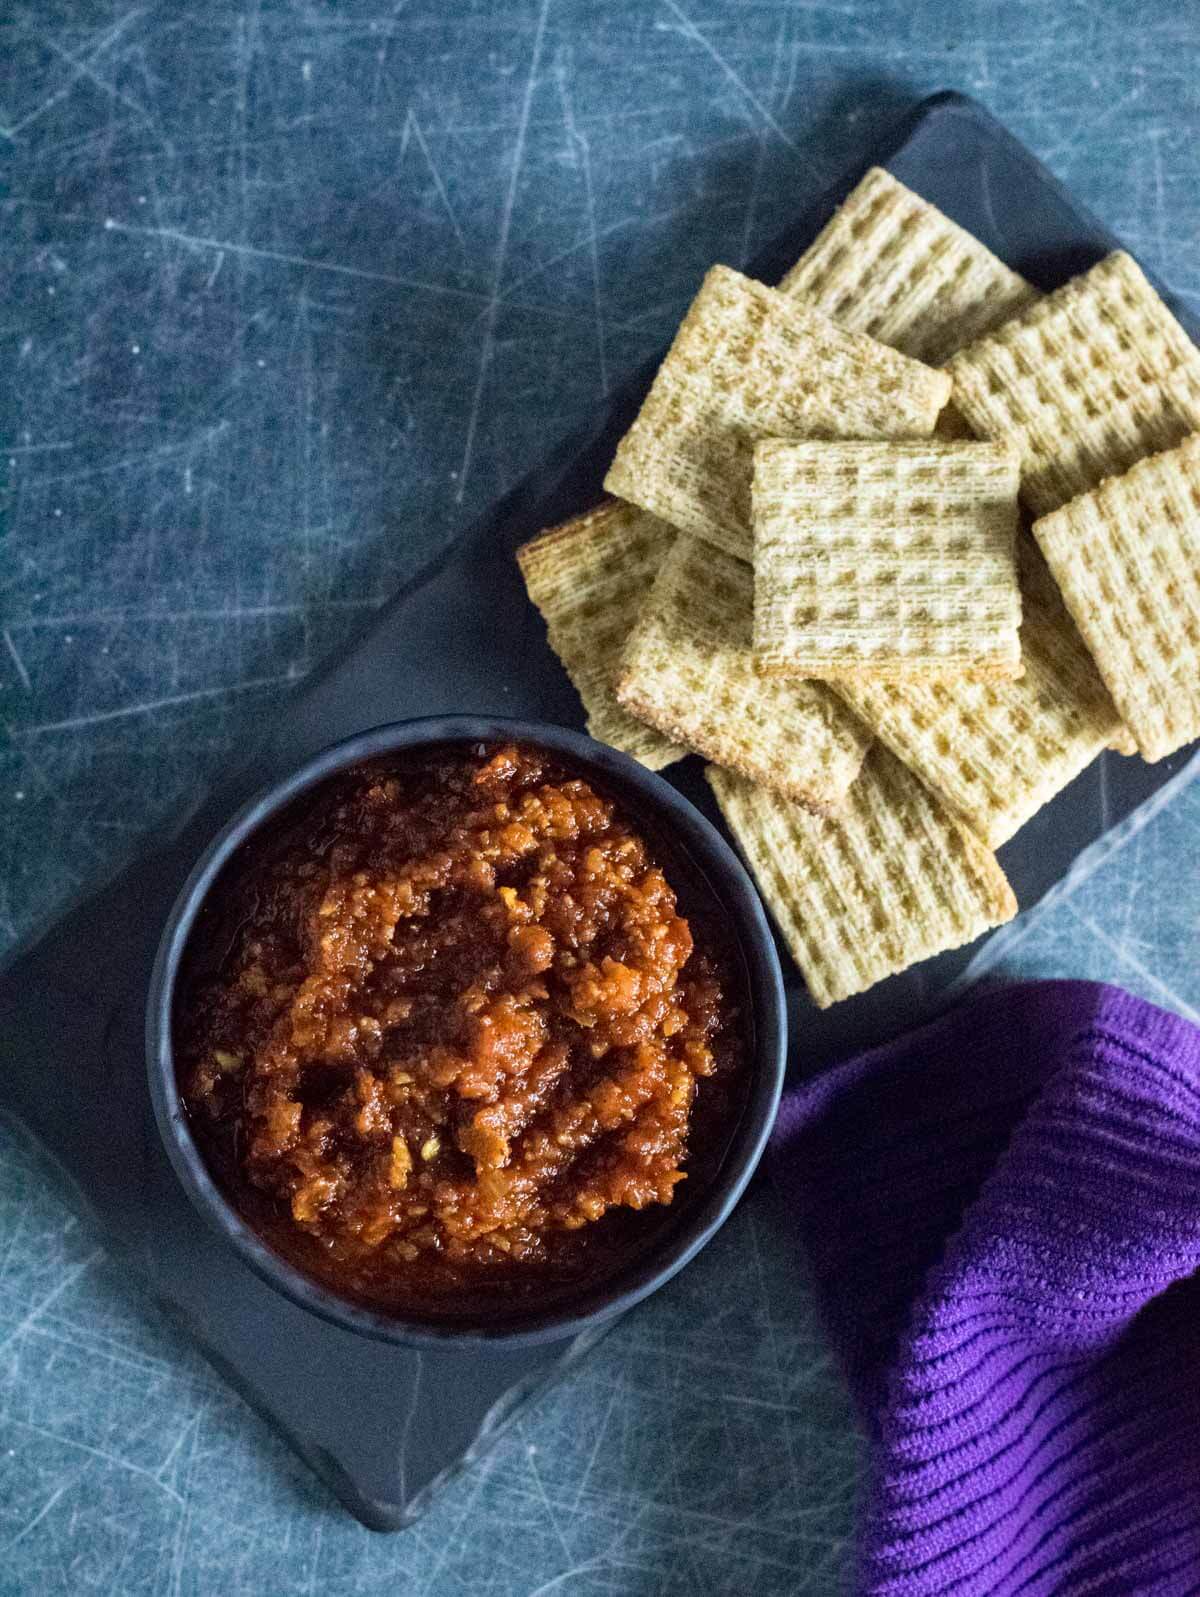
(291,293)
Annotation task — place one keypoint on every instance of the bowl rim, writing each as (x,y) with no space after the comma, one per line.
(731,886)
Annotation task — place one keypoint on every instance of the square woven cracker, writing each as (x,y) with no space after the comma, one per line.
(749,363)
(891,560)
(995,752)
(1087,381)
(1127,560)
(689,671)
(890,264)
(892,879)
(588,578)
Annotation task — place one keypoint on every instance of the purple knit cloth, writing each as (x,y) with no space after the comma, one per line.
(1002,1212)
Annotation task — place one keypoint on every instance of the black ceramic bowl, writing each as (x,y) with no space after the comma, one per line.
(699,863)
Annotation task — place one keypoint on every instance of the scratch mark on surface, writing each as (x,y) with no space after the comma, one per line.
(1130,901)
(182,1530)
(696,1519)
(55,1497)
(35,1313)
(10,1246)
(189,1430)
(693,32)
(1160,199)
(763,1402)
(17,661)
(199,241)
(130,462)
(405,135)
(641,222)
(246,46)
(506,216)
(773,1342)
(448,1543)
(760,159)
(171,267)
(1134,963)
(604,120)
(381,55)
(556,1582)
(105,44)
(73,723)
(580,140)
(550,1514)
(785,98)
(678,1496)
(1113,110)
(305,395)
(411,120)
(111,225)
(601,1432)
(84,69)
(310,1585)
(101,1350)
(254,612)
(983,78)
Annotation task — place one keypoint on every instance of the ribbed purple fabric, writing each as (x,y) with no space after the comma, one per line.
(1002,1212)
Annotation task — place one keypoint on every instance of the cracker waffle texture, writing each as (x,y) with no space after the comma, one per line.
(886,560)
(995,752)
(750,363)
(892,878)
(688,670)
(814,577)
(891,265)
(1086,382)
(1127,560)
(588,577)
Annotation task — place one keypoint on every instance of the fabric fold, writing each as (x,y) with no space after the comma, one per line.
(1002,1215)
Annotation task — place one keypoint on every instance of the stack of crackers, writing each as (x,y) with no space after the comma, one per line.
(899,547)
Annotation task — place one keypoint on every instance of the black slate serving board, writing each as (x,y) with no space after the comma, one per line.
(385,1426)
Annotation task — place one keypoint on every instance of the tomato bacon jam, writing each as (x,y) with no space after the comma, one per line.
(445,1031)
